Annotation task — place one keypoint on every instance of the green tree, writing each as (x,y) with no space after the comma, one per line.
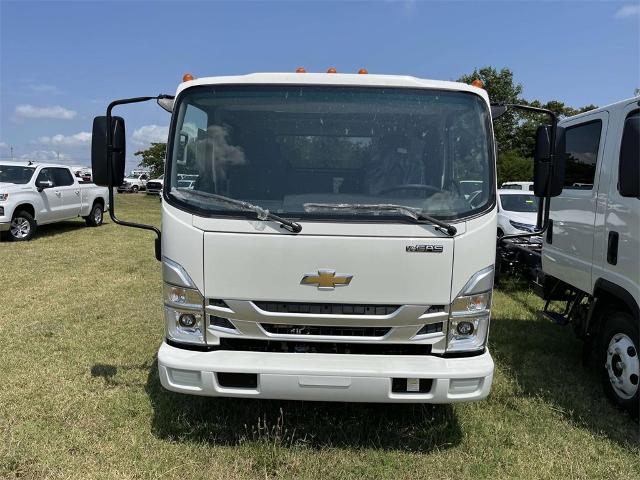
(153,158)
(515,130)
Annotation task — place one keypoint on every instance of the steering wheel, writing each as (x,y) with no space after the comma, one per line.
(428,189)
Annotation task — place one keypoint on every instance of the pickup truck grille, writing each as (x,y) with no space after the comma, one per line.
(329,331)
(154,186)
(326,308)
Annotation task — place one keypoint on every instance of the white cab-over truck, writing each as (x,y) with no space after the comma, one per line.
(33,194)
(326,249)
(591,250)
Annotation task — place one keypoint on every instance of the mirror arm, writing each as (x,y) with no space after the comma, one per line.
(112,213)
(544,204)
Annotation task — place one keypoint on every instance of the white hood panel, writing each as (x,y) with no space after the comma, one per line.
(270,267)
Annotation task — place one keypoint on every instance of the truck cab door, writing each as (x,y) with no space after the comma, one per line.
(569,248)
(620,242)
(50,209)
(69,191)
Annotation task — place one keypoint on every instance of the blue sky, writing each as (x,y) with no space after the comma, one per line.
(62,62)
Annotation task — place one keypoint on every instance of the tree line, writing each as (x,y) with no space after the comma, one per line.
(514,131)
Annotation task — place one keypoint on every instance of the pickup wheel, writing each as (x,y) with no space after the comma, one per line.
(619,356)
(95,218)
(22,228)
(135,189)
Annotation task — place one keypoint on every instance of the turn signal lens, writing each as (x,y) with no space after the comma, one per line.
(332,70)
(363,71)
(300,70)
(187,77)
(478,83)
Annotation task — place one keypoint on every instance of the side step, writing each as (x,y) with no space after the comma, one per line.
(557,317)
(572,306)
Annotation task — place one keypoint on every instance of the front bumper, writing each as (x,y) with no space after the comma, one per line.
(5,226)
(326,377)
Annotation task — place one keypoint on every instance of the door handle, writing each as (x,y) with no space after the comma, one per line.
(612,248)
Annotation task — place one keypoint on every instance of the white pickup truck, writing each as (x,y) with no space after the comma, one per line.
(134,183)
(36,194)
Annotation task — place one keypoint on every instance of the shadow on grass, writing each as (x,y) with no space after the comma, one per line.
(232,421)
(59,228)
(546,361)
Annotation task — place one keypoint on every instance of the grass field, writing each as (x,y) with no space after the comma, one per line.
(80,323)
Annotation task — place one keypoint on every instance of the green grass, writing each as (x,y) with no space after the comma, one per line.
(80,323)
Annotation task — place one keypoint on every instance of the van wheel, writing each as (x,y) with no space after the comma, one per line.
(22,228)
(619,353)
(135,189)
(96,217)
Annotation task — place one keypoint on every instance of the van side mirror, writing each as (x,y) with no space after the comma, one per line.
(99,156)
(548,178)
(43,184)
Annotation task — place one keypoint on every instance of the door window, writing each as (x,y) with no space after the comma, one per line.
(629,164)
(62,177)
(583,141)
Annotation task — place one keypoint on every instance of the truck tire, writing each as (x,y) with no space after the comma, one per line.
(22,228)
(619,356)
(96,216)
(135,189)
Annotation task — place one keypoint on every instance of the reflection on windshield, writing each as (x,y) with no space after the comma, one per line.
(284,147)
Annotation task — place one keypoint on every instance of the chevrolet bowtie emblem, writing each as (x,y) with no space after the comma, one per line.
(326,279)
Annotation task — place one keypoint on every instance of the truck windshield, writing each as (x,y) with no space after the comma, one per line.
(519,203)
(15,174)
(289,148)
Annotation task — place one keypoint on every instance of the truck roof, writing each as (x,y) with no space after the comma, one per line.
(343,79)
(611,106)
(27,163)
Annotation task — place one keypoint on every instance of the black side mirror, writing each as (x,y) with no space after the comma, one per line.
(497,111)
(42,184)
(99,156)
(548,177)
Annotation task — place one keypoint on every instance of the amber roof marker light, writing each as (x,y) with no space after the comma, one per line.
(187,77)
(332,70)
(477,83)
(363,71)
(301,70)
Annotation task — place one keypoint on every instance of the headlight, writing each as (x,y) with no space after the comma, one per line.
(470,313)
(183,305)
(523,226)
(3,196)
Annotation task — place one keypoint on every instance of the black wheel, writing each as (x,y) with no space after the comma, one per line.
(620,362)
(22,228)
(96,216)
(135,189)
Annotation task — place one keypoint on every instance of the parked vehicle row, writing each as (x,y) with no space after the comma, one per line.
(33,194)
(134,183)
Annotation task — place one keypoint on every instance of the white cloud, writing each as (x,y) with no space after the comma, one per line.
(3,145)
(29,111)
(46,156)
(150,134)
(80,138)
(628,11)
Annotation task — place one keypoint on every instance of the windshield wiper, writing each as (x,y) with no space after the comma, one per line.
(261,213)
(383,207)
